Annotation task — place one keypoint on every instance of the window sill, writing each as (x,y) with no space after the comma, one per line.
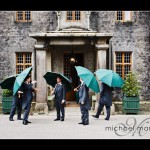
(21,21)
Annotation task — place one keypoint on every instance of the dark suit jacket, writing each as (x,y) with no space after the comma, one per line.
(106,94)
(60,93)
(27,94)
(83,93)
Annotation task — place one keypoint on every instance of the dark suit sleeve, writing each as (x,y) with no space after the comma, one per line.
(21,88)
(64,92)
(102,90)
(55,89)
(33,89)
(84,97)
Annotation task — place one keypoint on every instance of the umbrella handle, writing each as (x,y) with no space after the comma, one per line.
(78,86)
(19,95)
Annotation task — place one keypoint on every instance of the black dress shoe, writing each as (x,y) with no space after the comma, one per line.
(106,118)
(19,119)
(81,123)
(62,119)
(85,124)
(28,121)
(95,116)
(25,123)
(56,119)
(11,119)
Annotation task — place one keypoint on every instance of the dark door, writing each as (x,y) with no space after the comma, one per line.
(70,71)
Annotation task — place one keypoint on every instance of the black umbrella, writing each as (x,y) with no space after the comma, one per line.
(51,77)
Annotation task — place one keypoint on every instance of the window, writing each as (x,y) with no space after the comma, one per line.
(73,15)
(120,16)
(23,16)
(124,16)
(23,61)
(123,63)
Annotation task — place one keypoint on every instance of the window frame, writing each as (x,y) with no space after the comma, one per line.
(123,64)
(23,20)
(73,17)
(123,17)
(24,57)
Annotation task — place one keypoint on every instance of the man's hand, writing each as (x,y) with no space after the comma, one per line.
(75,89)
(62,101)
(36,90)
(19,92)
(82,103)
(52,93)
(33,82)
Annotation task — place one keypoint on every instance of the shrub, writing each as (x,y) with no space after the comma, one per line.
(131,86)
(7,93)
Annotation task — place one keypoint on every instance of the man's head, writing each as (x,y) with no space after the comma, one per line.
(28,79)
(59,79)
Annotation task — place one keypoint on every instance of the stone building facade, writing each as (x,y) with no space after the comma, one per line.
(117,40)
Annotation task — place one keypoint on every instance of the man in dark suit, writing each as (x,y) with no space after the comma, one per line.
(105,100)
(27,87)
(16,103)
(60,96)
(84,102)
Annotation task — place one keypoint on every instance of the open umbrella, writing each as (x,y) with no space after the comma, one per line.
(88,77)
(8,83)
(51,77)
(20,78)
(109,77)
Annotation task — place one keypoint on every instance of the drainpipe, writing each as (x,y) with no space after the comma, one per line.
(110,55)
(35,77)
(35,63)
(58,15)
(88,20)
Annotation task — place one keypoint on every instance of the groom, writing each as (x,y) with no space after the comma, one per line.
(60,96)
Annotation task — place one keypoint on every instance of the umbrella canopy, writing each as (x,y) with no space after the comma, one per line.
(88,77)
(20,78)
(8,83)
(109,77)
(51,77)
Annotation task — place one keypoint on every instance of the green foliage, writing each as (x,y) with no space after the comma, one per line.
(131,86)
(7,93)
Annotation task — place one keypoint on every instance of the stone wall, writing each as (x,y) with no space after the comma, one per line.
(82,24)
(130,36)
(134,36)
(14,36)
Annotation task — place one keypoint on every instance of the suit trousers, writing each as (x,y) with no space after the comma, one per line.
(85,114)
(26,112)
(100,108)
(16,103)
(60,108)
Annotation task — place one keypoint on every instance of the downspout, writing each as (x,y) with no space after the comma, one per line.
(35,77)
(35,74)
(110,56)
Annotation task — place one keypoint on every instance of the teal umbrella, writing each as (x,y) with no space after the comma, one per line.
(88,77)
(109,77)
(8,83)
(20,78)
(51,77)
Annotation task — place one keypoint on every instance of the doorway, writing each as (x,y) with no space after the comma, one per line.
(70,61)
